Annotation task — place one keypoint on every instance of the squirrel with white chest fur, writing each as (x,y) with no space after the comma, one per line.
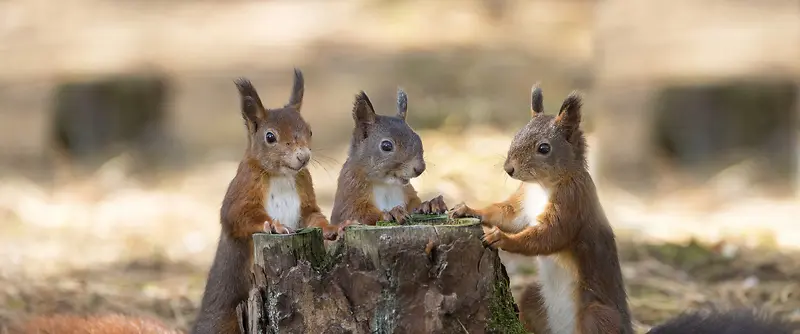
(556,216)
(272,192)
(385,154)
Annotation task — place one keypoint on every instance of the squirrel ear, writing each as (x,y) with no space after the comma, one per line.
(298,88)
(537,100)
(363,113)
(402,104)
(569,116)
(252,108)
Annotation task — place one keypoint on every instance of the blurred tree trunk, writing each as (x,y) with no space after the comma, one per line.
(95,120)
(410,279)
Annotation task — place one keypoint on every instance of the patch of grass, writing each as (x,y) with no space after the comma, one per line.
(426,219)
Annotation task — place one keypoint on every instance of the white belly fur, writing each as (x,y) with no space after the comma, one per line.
(388,196)
(558,290)
(283,201)
(558,282)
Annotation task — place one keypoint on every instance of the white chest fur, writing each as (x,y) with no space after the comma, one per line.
(534,202)
(283,201)
(556,278)
(388,196)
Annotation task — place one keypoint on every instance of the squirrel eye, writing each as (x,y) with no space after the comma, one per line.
(386,146)
(543,148)
(270,138)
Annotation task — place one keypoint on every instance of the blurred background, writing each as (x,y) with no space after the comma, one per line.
(120,130)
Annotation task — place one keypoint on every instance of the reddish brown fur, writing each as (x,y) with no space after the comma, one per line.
(572,229)
(365,165)
(106,324)
(243,210)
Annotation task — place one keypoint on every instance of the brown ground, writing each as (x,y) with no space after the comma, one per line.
(112,245)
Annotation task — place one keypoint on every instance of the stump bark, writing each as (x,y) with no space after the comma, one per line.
(433,276)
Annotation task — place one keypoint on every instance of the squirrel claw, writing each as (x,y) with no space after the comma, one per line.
(345,224)
(491,237)
(434,206)
(397,214)
(461,210)
(330,232)
(276,228)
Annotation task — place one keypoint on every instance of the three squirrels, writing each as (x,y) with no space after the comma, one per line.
(384,155)
(556,216)
(272,192)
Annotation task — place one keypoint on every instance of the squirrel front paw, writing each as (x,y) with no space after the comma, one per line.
(276,227)
(434,206)
(330,232)
(493,237)
(461,210)
(398,214)
(344,224)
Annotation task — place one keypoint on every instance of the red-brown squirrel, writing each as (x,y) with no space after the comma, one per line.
(272,192)
(556,216)
(385,154)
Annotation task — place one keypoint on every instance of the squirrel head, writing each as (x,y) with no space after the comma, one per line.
(385,147)
(278,139)
(548,148)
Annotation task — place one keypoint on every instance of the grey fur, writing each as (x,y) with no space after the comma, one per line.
(370,130)
(402,103)
(537,100)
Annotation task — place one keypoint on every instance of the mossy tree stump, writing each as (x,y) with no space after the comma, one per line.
(431,276)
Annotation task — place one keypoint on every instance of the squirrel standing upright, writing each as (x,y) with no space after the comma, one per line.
(385,154)
(556,215)
(272,192)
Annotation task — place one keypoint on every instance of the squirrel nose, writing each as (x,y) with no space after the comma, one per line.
(303,157)
(418,170)
(509,169)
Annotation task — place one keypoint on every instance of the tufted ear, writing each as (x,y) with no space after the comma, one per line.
(363,114)
(537,100)
(252,108)
(298,88)
(569,116)
(402,104)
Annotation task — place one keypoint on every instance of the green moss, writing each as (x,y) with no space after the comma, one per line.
(386,223)
(425,219)
(503,319)
(307,244)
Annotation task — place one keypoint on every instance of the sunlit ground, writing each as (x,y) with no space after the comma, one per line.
(110,245)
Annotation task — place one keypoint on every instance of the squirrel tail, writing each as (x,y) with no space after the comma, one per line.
(108,324)
(721,322)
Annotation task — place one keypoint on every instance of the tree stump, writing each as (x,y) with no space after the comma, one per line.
(430,276)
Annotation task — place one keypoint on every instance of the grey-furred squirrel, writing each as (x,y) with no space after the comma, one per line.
(385,154)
